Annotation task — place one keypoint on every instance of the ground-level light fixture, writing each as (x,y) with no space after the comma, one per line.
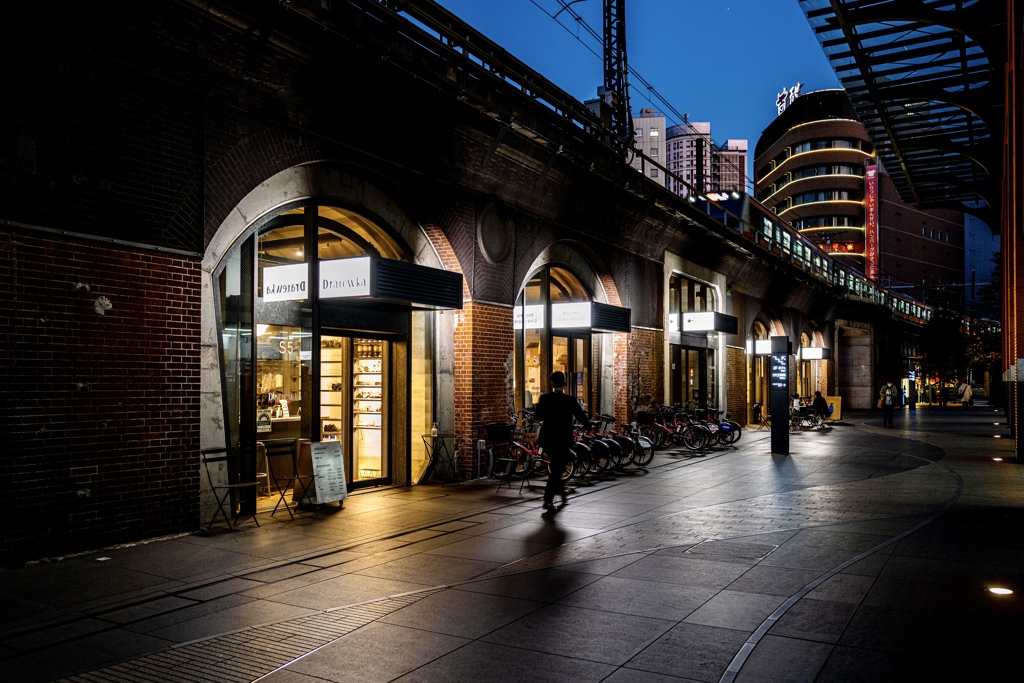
(1000,591)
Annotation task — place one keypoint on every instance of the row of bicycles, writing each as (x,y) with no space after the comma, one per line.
(599,449)
(699,430)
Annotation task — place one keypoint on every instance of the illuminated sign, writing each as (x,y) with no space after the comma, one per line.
(871,220)
(762,347)
(534,317)
(285,283)
(570,315)
(787,96)
(347,277)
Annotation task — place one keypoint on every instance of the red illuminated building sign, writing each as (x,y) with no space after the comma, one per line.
(871,220)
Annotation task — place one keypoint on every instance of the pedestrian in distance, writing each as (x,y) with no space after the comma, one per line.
(820,406)
(887,402)
(556,411)
(964,393)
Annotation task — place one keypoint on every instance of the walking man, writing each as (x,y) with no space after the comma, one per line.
(556,411)
(887,402)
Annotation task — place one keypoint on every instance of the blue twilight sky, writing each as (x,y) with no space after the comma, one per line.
(722,61)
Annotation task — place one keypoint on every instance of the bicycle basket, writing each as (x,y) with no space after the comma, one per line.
(499,432)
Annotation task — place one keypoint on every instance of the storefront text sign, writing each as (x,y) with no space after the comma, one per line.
(285,283)
(345,278)
(871,220)
(570,315)
(328,471)
(534,317)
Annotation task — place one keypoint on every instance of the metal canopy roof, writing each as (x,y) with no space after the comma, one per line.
(925,77)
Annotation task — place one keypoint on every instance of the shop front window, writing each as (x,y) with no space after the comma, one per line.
(298,367)
(545,343)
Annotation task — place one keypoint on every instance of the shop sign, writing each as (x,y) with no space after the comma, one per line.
(263,422)
(570,315)
(787,97)
(871,220)
(534,317)
(349,277)
(285,283)
(328,471)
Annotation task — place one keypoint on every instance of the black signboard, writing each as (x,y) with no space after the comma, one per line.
(778,393)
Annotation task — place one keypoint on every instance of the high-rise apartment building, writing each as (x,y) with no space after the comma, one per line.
(649,141)
(729,166)
(689,149)
(815,167)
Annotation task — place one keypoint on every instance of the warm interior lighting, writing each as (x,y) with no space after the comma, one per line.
(1000,591)
(997,436)
(998,459)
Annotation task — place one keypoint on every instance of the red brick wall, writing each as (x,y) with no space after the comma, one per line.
(484,343)
(101,412)
(639,367)
(736,385)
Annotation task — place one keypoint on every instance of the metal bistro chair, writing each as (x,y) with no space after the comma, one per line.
(282,463)
(761,418)
(227,484)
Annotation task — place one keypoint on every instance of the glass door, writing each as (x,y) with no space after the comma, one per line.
(368,409)
(353,403)
(581,370)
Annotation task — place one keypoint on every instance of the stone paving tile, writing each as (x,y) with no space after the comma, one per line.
(377,652)
(342,590)
(691,651)
(462,613)
(546,585)
(640,598)
(816,620)
(594,635)
(480,661)
(769,580)
(784,660)
(735,610)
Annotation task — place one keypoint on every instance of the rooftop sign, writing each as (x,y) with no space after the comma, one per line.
(787,96)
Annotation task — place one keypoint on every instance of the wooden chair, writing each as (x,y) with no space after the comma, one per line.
(222,469)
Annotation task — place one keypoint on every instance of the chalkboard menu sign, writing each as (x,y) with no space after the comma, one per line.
(328,471)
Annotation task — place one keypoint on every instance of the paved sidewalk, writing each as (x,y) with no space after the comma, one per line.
(865,554)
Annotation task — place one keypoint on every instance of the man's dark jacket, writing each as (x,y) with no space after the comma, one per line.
(556,410)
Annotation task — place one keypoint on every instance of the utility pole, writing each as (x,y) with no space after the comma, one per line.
(615,91)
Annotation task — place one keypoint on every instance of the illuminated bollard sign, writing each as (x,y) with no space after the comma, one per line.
(778,392)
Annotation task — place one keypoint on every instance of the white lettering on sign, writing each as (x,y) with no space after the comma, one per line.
(346,277)
(570,315)
(285,283)
(534,317)
(786,97)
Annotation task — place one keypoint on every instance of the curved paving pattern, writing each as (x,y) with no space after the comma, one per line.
(825,565)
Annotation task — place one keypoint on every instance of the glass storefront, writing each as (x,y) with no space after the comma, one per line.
(547,341)
(692,370)
(329,362)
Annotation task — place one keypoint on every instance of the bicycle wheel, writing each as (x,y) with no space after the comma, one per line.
(600,456)
(614,453)
(584,460)
(735,431)
(570,467)
(693,438)
(643,453)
